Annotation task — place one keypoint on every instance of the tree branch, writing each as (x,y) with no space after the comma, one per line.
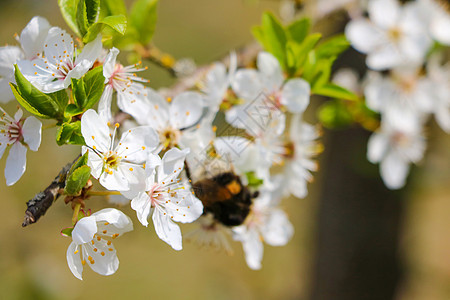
(42,201)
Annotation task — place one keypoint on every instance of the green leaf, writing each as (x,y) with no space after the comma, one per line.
(67,231)
(332,47)
(334,114)
(273,37)
(69,11)
(117,23)
(143,18)
(36,102)
(335,91)
(71,111)
(112,7)
(77,180)
(70,133)
(82,161)
(298,30)
(87,14)
(88,90)
(253,181)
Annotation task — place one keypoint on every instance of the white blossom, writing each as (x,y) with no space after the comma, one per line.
(123,81)
(264,89)
(216,83)
(393,36)
(265,223)
(439,76)
(168,199)
(395,147)
(61,61)
(31,42)
(92,242)
(301,148)
(171,117)
(19,134)
(404,98)
(117,166)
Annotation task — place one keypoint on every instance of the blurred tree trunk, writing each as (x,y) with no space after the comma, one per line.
(358,218)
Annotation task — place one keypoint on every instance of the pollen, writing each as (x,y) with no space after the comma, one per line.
(143,148)
(106,223)
(93,137)
(95,249)
(109,243)
(169,99)
(99,238)
(117,125)
(83,262)
(110,249)
(104,231)
(102,253)
(187,113)
(92,262)
(76,251)
(131,169)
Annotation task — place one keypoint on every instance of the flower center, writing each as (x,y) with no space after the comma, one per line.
(156,196)
(112,160)
(10,129)
(394,34)
(169,137)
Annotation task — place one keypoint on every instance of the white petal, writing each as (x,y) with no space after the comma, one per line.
(91,51)
(84,230)
(6,94)
(167,230)
(16,163)
(188,209)
(95,131)
(394,171)
(254,249)
(186,110)
(247,84)
(56,42)
(363,35)
(142,205)
(271,73)
(156,111)
(384,13)
(33,36)
(110,63)
(277,230)
(172,162)
(377,146)
(31,131)
(137,142)
(118,221)
(3,145)
(104,105)
(95,162)
(295,95)
(385,57)
(80,69)
(106,264)
(74,260)
(117,181)
(439,27)
(9,55)
(18,115)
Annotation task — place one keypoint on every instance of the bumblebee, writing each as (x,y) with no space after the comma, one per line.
(225,197)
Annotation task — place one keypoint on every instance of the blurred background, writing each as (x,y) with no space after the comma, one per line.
(416,221)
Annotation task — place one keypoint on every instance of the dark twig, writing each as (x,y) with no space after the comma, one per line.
(42,201)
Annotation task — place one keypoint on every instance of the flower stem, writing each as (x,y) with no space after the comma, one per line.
(76,210)
(102,193)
